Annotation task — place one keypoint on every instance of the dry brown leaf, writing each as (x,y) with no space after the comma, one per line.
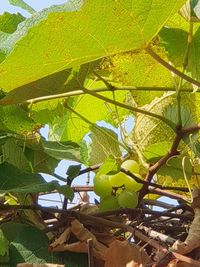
(193,239)
(88,209)
(177,263)
(106,238)
(123,254)
(39,265)
(80,247)
(62,238)
(82,234)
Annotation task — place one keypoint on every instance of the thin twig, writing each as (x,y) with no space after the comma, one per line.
(77,92)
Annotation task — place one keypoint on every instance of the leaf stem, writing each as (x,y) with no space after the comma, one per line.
(105,89)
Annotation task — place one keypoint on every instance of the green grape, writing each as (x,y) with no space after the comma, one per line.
(127,199)
(121,178)
(130,165)
(102,185)
(108,203)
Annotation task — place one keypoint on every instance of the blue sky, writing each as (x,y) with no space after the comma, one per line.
(36,4)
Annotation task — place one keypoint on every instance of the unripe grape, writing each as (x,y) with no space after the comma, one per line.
(121,178)
(102,185)
(130,165)
(128,199)
(108,203)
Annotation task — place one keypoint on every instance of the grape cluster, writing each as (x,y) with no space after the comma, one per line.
(118,190)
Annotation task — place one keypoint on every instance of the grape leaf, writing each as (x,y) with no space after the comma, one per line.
(13,180)
(155,151)
(9,22)
(174,169)
(57,83)
(110,166)
(14,119)
(73,171)
(139,69)
(3,244)
(137,27)
(13,154)
(29,244)
(149,130)
(66,191)
(62,150)
(104,143)
(70,126)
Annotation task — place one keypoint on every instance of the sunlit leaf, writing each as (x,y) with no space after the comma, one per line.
(95,40)
(104,143)
(174,168)
(62,150)
(155,151)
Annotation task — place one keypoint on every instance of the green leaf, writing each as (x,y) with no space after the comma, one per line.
(147,73)
(187,117)
(110,166)
(3,244)
(150,131)
(22,4)
(193,63)
(73,171)
(137,27)
(62,150)
(174,169)
(154,152)
(57,83)
(65,127)
(13,154)
(15,119)
(66,191)
(12,180)
(40,161)
(28,244)
(174,40)
(104,143)
(9,22)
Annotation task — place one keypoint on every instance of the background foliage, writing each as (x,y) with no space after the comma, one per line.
(73,65)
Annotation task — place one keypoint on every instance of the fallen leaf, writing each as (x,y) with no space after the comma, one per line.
(83,235)
(88,208)
(123,254)
(62,238)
